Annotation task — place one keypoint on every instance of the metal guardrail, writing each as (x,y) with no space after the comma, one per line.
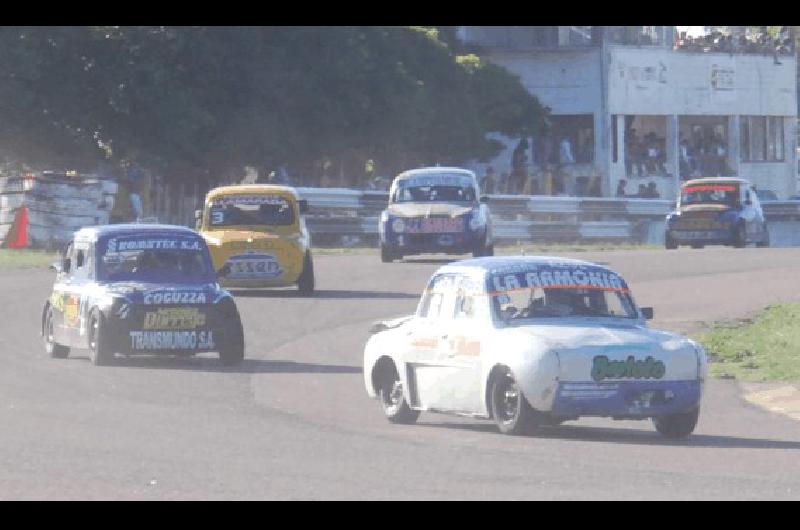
(344,213)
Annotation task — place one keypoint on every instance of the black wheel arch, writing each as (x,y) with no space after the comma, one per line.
(496,371)
(384,367)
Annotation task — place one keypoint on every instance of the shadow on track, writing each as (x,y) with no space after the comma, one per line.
(628,436)
(322,294)
(212,364)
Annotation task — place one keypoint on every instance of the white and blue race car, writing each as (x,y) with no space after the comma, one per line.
(140,289)
(532,341)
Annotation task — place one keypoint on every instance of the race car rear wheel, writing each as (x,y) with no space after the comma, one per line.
(54,349)
(670,243)
(740,238)
(511,411)
(306,282)
(676,426)
(99,352)
(395,406)
(232,349)
(483,251)
(764,242)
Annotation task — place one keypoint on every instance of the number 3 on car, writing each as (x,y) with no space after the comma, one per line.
(530,342)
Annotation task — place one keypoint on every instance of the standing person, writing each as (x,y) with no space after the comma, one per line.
(519,162)
(565,152)
(123,211)
(621,188)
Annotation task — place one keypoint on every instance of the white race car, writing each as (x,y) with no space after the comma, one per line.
(531,341)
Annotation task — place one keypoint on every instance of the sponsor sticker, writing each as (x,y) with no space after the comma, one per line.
(172,340)
(174,297)
(559,277)
(436,180)
(254,266)
(239,200)
(630,368)
(119,245)
(434,225)
(174,318)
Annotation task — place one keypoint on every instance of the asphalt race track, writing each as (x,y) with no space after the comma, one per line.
(293,421)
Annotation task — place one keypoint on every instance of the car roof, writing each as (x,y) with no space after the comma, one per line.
(489,264)
(437,170)
(714,180)
(95,232)
(246,189)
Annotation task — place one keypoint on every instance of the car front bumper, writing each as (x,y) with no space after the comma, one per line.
(626,399)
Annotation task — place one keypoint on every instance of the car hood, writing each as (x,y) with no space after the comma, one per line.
(428,209)
(146,293)
(578,347)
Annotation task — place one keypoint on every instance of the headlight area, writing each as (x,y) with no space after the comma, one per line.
(478,220)
(398,225)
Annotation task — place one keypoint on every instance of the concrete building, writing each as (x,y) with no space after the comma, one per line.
(632,103)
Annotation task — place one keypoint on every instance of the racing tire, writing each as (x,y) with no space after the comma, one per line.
(483,251)
(669,243)
(99,352)
(53,349)
(764,242)
(740,237)
(231,352)
(698,246)
(387,256)
(393,400)
(677,426)
(510,410)
(306,282)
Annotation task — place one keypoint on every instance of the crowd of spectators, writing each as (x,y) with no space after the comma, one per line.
(717,41)
(645,156)
(646,191)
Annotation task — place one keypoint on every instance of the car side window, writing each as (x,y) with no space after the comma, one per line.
(465,299)
(80,262)
(438,299)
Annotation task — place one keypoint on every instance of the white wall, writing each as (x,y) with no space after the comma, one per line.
(569,82)
(663,81)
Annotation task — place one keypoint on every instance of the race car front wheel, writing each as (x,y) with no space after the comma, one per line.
(395,406)
(99,352)
(669,243)
(387,256)
(676,426)
(511,411)
(54,349)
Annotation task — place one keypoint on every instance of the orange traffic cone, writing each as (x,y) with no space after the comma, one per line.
(17,237)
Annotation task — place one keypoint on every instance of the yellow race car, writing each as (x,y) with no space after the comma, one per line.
(258,237)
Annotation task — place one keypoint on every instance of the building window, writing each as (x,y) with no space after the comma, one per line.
(762,139)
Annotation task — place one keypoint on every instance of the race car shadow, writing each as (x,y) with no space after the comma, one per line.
(627,436)
(324,294)
(248,366)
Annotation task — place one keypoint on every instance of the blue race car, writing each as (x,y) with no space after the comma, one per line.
(140,289)
(716,211)
(435,210)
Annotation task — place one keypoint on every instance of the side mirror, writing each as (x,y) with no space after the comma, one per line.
(748,202)
(303,205)
(484,199)
(198,219)
(377,327)
(198,214)
(224,271)
(647,313)
(56,266)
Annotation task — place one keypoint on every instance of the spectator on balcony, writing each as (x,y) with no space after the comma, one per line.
(633,154)
(652,191)
(642,191)
(621,188)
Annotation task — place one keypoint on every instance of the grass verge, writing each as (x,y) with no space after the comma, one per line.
(766,348)
(13,259)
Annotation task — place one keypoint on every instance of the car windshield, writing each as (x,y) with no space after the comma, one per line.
(553,293)
(255,210)
(431,188)
(727,194)
(172,260)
